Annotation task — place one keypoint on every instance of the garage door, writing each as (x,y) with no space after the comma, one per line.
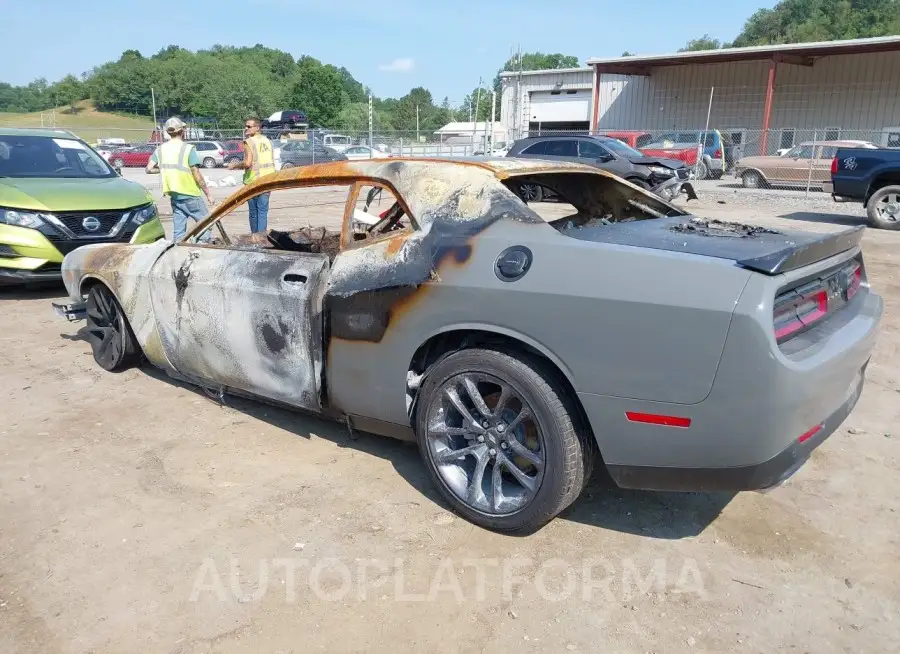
(560,106)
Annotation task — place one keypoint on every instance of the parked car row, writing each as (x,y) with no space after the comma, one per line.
(710,153)
(663,176)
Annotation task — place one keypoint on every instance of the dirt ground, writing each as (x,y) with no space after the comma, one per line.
(139,515)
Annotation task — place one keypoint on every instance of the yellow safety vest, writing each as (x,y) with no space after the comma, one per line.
(172,158)
(263,160)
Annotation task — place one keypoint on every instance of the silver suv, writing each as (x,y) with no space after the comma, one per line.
(211,153)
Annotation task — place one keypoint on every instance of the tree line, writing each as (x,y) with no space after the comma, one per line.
(806,21)
(229,83)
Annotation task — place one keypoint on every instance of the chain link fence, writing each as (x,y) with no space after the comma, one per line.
(782,158)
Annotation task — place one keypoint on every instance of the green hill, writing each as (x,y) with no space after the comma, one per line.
(87,123)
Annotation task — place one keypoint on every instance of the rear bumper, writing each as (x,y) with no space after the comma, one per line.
(760,476)
(753,429)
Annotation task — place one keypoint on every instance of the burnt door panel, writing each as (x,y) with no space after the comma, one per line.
(248,320)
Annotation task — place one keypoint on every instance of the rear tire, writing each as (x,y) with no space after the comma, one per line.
(112,342)
(702,170)
(209,162)
(117,163)
(752,179)
(550,439)
(287,165)
(883,208)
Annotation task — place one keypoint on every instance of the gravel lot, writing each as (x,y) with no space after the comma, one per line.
(138,515)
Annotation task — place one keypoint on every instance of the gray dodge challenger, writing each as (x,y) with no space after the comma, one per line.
(675,352)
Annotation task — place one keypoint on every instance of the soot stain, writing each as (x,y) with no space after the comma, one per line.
(274,335)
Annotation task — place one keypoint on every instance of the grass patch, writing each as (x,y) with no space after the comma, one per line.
(88,123)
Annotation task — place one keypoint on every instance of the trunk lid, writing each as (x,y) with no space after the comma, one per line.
(763,250)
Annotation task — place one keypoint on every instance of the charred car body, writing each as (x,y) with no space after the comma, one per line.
(444,320)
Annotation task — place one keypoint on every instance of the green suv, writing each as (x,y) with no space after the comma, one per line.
(57,194)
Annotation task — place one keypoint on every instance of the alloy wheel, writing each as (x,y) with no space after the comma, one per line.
(105,328)
(486,444)
(888,207)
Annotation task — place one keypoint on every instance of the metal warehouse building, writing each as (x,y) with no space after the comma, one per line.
(766,97)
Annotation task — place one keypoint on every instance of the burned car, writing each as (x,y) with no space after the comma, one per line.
(676,353)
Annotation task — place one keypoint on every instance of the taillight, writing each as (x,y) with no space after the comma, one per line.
(855,281)
(717,154)
(795,312)
(834,166)
(799,309)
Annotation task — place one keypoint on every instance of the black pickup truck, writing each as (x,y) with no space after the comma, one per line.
(870,176)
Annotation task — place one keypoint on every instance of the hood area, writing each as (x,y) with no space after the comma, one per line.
(43,194)
(673,164)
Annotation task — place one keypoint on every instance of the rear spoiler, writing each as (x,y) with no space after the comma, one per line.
(804,254)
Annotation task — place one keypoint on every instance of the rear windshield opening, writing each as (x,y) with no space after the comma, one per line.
(576,200)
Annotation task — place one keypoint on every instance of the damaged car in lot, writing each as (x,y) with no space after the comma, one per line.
(676,353)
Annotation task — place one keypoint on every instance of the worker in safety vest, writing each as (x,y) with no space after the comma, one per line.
(258,162)
(179,165)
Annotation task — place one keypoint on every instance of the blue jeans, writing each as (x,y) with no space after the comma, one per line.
(259,212)
(184,207)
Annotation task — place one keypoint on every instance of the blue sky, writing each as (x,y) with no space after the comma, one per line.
(389,45)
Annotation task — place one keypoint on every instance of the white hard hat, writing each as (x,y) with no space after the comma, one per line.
(174,124)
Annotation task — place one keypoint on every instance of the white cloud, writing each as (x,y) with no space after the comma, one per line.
(401,65)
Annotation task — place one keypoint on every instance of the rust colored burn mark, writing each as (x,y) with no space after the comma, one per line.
(396,243)
(110,257)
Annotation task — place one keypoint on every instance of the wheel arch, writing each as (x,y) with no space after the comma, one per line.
(886,178)
(90,280)
(455,338)
(751,169)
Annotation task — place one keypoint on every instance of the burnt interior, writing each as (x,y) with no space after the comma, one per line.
(597,199)
(306,239)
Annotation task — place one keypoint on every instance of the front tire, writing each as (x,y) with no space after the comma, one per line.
(637,181)
(287,165)
(501,440)
(112,342)
(209,162)
(117,163)
(883,208)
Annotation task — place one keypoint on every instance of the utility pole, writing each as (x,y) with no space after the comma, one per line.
(371,144)
(417,123)
(155,124)
(493,111)
(475,121)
